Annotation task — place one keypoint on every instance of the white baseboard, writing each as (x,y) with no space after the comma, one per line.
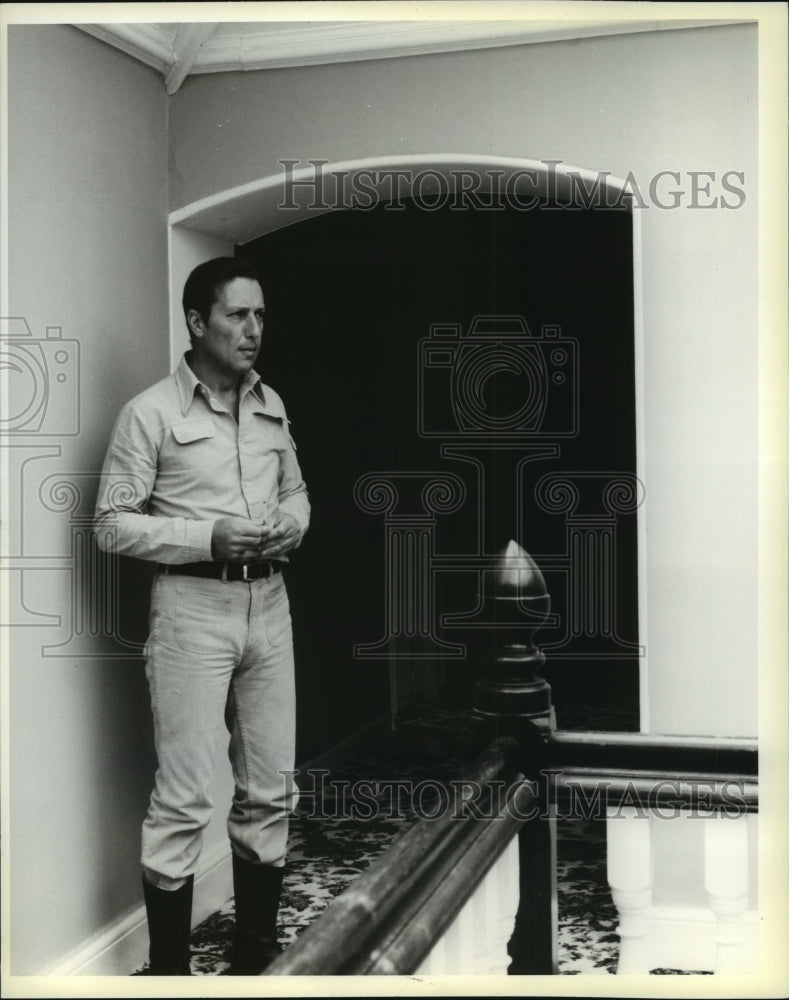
(122,947)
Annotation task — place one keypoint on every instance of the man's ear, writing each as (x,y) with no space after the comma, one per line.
(195,323)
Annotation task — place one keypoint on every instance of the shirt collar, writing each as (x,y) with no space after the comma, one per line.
(188,383)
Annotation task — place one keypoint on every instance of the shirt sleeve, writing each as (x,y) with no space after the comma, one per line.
(293,496)
(121,523)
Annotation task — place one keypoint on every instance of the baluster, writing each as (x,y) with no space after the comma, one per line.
(726,882)
(505,889)
(475,943)
(630,878)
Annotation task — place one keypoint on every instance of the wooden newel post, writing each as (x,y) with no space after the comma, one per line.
(515,598)
(518,703)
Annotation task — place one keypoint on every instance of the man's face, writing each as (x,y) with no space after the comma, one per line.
(229,342)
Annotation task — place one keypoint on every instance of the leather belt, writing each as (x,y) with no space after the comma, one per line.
(225,571)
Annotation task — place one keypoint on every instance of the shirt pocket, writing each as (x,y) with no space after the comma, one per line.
(290,435)
(269,439)
(194,443)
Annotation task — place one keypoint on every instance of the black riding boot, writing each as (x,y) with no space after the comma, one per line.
(169,926)
(257,889)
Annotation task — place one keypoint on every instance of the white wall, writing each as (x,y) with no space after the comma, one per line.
(679,101)
(88,252)
(673,100)
(187,250)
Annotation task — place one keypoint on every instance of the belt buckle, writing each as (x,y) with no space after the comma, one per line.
(245,572)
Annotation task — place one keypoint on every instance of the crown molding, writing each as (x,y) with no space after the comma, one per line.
(152,44)
(177,50)
(190,42)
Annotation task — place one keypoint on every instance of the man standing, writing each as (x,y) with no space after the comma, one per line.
(201,477)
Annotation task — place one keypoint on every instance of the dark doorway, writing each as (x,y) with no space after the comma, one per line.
(354,299)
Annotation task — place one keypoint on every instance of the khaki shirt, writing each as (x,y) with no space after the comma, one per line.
(178,461)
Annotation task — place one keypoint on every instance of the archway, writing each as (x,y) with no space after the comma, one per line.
(425,444)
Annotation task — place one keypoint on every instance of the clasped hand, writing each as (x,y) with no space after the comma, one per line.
(239,540)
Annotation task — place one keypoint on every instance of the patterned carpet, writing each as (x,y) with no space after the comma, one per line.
(328,850)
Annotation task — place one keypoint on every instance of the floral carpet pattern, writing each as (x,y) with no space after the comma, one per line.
(329,848)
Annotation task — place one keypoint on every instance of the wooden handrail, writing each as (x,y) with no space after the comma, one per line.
(391,917)
(653,792)
(707,755)
(651,771)
(388,919)
(446,890)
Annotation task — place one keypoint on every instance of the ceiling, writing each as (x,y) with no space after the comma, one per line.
(177,50)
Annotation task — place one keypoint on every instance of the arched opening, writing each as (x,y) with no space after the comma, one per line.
(376,337)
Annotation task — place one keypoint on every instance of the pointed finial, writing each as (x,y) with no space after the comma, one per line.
(514,574)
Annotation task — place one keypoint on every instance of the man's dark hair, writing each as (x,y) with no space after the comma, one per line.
(205,283)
